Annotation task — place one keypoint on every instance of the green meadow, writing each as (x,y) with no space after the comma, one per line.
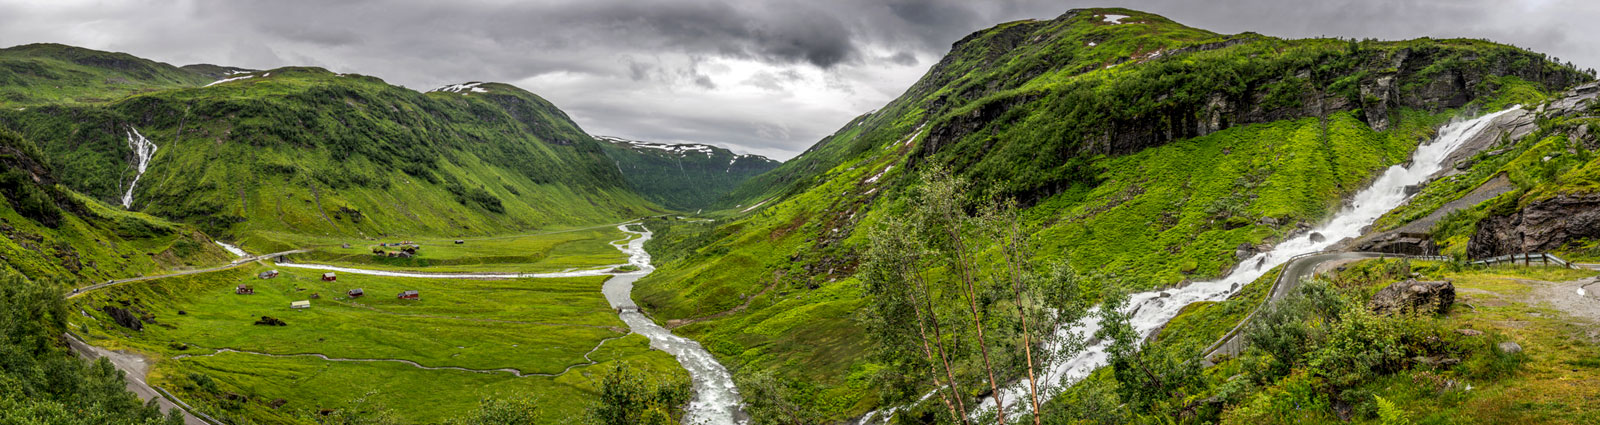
(532,326)
(549,251)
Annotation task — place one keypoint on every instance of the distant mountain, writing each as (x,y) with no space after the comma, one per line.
(682,176)
(54,73)
(304,151)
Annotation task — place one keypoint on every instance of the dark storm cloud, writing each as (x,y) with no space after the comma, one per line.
(769,77)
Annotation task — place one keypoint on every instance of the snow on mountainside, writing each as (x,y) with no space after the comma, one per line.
(685,176)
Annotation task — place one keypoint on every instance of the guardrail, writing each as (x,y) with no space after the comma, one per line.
(1230,343)
(1526,260)
(1230,340)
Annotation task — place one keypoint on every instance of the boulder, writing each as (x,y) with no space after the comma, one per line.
(123,317)
(1510,347)
(1413,295)
(1542,226)
(1469,332)
(1317,237)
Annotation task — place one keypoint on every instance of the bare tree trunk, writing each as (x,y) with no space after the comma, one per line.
(922,331)
(944,357)
(953,227)
(1015,257)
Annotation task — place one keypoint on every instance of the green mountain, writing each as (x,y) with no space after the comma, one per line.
(37,74)
(685,177)
(1138,148)
(270,156)
(53,233)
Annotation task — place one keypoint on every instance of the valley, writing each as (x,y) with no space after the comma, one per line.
(1102,217)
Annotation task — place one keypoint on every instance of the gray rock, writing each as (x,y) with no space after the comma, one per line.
(1469,332)
(1316,237)
(1510,347)
(1413,295)
(1541,226)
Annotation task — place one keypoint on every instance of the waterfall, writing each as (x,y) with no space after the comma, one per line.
(1151,310)
(143,150)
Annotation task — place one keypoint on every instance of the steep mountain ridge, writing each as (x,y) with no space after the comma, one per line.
(683,176)
(1140,148)
(304,151)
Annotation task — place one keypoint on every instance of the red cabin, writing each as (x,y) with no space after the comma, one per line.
(329,277)
(244,289)
(408,295)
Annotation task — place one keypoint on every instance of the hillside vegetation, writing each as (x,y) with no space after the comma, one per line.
(310,152)
(1138,147)
(685,177)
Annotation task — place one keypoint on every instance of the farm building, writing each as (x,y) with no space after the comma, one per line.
(353,293)
(300,304)
(408,295)
(244,289)
(329,277)
(268,274)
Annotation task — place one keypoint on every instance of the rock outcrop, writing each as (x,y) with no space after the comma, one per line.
(1414,296)
(1541,226)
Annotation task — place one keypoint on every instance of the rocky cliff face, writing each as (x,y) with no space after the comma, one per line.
(1542,226)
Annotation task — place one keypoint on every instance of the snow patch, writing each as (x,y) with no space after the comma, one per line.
(1115,19)
(462,89)
(874,179)
(228,80)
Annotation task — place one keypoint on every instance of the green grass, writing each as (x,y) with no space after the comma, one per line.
(580,248)
(1555,381)
(532,325)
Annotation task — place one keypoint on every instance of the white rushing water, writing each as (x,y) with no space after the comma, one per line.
(1153,309)
(232,249)
(143,150)
(716,400)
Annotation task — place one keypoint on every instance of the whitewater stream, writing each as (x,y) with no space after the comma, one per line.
(143,150)
(716,401)
(1153,309)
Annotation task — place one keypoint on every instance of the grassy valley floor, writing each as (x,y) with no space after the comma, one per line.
(426,359)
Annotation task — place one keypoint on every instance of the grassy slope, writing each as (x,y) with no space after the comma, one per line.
(303,150)
(1159,216)
(1551,382)
(37,74)
(688,177)
(87,241)
(534,325)
(541,252)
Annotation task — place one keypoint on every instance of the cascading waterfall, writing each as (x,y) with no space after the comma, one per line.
(143,150)
(1153,309)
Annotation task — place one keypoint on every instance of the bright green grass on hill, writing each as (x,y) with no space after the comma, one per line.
(532,325)
(582,248)
(307,151)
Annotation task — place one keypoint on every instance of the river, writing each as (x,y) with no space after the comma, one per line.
(716,400)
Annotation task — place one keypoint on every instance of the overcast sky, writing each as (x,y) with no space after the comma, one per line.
(765,77)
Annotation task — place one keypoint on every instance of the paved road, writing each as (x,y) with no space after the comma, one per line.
(1294,273)
(235,263)
(135,367)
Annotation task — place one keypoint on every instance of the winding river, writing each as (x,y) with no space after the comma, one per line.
(716,400)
